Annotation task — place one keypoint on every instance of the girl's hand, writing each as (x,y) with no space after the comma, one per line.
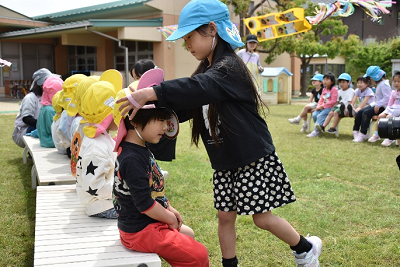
(175,225)
(136,100)
(376,109)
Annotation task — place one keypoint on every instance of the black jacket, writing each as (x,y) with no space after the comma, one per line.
(244,136)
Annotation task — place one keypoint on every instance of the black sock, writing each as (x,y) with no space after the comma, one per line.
(230,262)
(302,246)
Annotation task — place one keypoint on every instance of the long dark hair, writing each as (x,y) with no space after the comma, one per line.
(240,69)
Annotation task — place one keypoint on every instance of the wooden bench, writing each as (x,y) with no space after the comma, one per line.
(32,144)
(369,132)
(49,166)
(66,236)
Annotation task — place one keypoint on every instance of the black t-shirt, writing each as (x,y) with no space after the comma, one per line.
(138,183)
(316,94)
(243,134)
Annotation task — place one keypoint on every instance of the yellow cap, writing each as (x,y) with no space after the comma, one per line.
(57,105)
(97,106)
(114,77)
(74,106)
(69,87)
(121,94)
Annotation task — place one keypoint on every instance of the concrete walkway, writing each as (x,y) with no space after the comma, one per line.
(9,105)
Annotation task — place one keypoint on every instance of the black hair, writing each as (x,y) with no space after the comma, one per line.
(343,80)
(396,73)
(144,116)
(330,76)
(37,90)
(141,66)
(366,80)
(232,63)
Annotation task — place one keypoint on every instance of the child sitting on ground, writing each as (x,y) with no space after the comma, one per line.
(146,220)
(51,86)
(312,102)
(96,160)
(345,96)
(325,104)
(392,110)
(363,94)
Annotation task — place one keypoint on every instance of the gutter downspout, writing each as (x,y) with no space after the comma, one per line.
(120,46)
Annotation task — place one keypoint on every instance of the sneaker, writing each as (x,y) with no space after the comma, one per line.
(351,111)
(331,130)
(374,138)
(342,108)
(304,128)
(355,134)
(387,142)
(314,134)
(321,128)
(360,138)
(310,259)
(295,120)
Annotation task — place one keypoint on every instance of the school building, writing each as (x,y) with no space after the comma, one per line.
(114,35)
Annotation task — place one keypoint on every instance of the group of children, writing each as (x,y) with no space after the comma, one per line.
(120,178)
(327,102)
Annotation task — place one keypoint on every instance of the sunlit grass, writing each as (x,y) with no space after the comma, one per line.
(348,194)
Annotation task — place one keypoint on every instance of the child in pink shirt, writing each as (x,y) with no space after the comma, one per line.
(326,102)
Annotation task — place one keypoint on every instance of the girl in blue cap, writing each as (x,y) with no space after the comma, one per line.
(222,101)
(382,95)
(316,81)
(325,104)
(392,110)
(339,111)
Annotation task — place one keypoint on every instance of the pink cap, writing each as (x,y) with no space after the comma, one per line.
(51,86)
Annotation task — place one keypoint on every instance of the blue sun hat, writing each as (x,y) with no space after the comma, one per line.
(200,12)
(344,76)
(375,73)
(318,77)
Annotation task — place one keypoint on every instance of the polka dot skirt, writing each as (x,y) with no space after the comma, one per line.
(256,188)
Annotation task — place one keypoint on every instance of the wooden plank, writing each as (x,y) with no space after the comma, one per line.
(66,236)
(52,168)
(33,144)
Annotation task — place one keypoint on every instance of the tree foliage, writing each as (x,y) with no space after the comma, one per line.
(359,56)
(326,38)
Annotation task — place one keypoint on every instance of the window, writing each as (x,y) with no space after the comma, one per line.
(136,50)
(82,58)
(312,69)
(34,57)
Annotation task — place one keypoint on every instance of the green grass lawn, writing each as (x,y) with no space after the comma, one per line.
(348,194)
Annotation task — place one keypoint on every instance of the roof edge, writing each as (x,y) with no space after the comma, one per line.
(89,9)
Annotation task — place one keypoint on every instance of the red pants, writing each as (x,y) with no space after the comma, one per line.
(177,249)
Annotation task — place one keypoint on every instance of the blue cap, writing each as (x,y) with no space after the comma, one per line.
(318,77)
(375,73)
(344,76)
(200,12)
